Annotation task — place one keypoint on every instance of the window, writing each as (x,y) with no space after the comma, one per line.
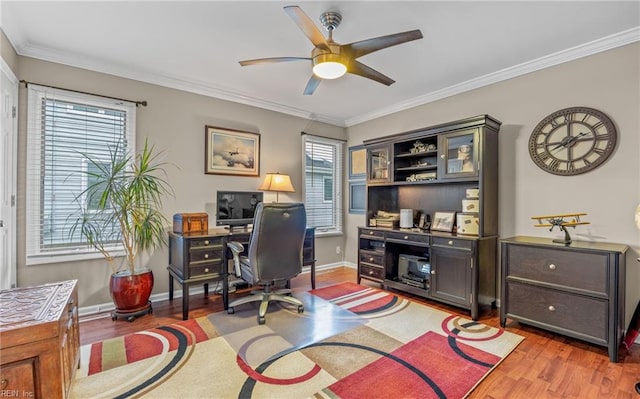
(323,169)
(64,127)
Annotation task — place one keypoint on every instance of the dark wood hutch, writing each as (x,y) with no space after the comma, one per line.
(430,170)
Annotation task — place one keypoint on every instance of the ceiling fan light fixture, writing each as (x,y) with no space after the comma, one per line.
(329,66)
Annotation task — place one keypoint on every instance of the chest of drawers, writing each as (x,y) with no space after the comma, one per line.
(40,340)
(577,290)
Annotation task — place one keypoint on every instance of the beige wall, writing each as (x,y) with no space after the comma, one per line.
(173,121)
(610,82)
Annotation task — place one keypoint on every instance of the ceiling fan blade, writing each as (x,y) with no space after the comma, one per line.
(307,26)
(363,47)
(312,84)
(358,68)
(272,60)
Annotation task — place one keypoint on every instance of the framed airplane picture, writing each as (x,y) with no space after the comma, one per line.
(231,152)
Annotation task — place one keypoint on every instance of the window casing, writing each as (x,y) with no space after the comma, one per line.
(323,170)
(63,129)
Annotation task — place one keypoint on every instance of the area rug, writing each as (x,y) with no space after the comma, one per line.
(352,341)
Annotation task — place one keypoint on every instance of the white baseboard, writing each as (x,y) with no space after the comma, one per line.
(177,293)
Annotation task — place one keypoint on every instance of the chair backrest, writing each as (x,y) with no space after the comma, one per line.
(275,249)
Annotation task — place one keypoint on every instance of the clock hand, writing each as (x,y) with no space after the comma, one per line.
(568,141)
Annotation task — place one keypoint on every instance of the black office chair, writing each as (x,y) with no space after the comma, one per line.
(274,256)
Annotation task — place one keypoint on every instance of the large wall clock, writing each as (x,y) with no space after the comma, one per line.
(572,141)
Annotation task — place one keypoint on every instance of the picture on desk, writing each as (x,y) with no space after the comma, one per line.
(443,221)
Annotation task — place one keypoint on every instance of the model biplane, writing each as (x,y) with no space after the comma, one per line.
(562,221)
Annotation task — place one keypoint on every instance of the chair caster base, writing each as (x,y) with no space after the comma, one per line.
(261,320)
(300,308)
(231,311)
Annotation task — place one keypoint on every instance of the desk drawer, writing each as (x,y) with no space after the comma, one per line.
(568,312)
(212,255)
(204,269)
(372,257)
(372,272)
(450,242)
(400,236)
(581,270)
(200,243)
(371,233)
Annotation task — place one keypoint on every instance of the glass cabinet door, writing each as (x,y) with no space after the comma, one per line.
(378,166)
(458,154)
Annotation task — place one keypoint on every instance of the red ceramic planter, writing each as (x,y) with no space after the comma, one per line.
(130,293)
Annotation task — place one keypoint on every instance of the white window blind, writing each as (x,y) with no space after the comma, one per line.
(323,170)
(63,128)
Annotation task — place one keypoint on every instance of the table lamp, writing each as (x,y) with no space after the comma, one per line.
(277,182)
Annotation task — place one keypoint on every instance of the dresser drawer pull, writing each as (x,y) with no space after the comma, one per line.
(552,308)
(4,384)
(371,272)
(370,259)
(206,256)
(406,237)
(206,242)
(371,233)
(433,272)
(206,270)
(552,266)
(450,242)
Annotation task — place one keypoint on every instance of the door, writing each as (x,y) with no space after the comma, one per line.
(451,275)
(458,154)
(8,150)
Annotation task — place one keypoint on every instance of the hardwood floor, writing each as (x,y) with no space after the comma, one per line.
(544,365)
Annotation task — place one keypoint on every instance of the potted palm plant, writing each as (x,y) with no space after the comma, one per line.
(125,215)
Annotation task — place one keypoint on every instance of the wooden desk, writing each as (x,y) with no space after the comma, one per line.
(201,258)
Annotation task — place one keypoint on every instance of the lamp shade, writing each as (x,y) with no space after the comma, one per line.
(638,216)
(277,182)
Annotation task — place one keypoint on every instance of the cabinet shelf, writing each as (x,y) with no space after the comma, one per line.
(417,168)
(417,154)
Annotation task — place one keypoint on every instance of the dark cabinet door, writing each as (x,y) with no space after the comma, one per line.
(451,275)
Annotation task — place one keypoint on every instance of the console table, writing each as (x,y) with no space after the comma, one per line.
(576,290)
(201,258)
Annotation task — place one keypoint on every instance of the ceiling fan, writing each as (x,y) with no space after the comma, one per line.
(331,60)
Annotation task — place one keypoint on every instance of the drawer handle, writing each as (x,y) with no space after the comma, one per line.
(552,308)
(552,266)
(450,242)
(206,256)
(206,270)
(370,259)
(406,237)
(442,156)
(206,242)
(371,232)
(371,272)
(433,272)
(4,384)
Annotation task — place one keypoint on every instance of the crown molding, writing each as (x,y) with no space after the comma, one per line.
(596,46)
(198,87)
(178,83)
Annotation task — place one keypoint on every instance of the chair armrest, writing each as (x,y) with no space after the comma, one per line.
(236,249)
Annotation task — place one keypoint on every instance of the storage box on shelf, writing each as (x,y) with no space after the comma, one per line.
(435,169)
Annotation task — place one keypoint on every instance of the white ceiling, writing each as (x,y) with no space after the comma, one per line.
(196,46)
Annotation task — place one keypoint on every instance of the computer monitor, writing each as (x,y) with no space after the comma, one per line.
(236,208)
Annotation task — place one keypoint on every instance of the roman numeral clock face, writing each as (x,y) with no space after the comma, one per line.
(572,141)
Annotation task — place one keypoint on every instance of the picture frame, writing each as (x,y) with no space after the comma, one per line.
(443,221)
(357,162)
(231,152)
(357,194)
